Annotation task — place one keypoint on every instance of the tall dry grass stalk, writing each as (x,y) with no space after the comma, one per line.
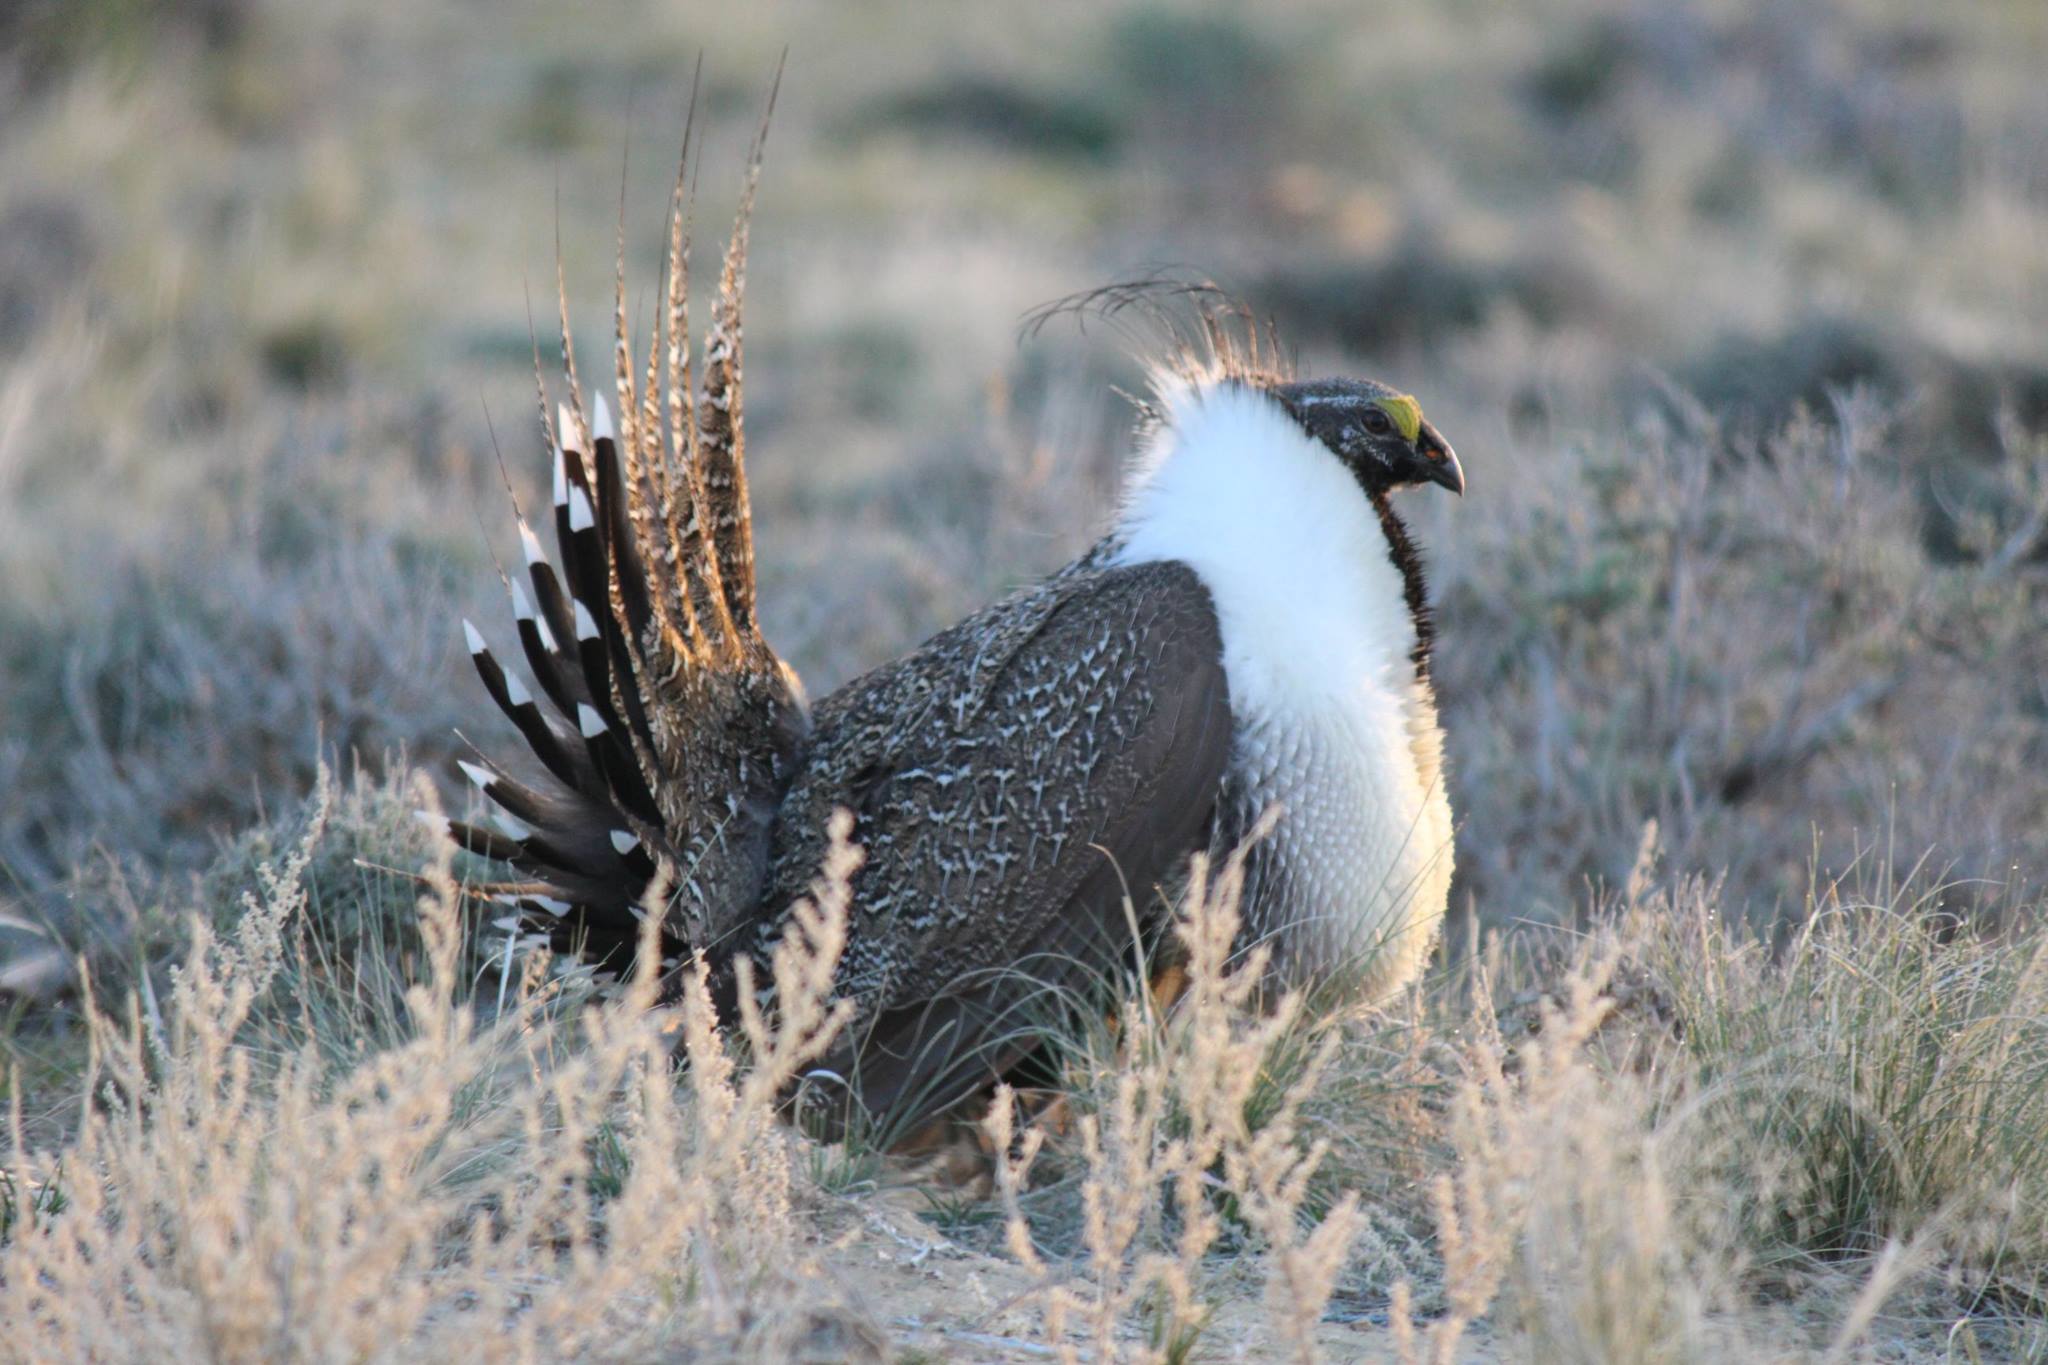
(439,1198)
(1561,1198)
(1171,1152)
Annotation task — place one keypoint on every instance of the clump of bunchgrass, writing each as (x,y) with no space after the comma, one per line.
(1692,1121)
(1895,1051)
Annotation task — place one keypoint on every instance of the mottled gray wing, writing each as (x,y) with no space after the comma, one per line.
(1007,805)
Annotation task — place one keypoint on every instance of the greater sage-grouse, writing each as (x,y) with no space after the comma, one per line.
(1252,631)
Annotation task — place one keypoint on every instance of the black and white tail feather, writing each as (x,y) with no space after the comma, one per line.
(667,724)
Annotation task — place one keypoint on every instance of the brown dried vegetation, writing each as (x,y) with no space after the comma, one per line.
(1734,314)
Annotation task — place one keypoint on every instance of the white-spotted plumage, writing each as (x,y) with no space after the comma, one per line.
(1332,721)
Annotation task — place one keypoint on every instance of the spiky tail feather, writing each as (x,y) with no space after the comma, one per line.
(671,727)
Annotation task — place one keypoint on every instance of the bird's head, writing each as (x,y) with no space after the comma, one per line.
(1378,432)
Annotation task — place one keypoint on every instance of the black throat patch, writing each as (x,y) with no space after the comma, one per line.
(1414,581)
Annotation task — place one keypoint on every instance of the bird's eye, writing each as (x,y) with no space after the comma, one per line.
(1378,423)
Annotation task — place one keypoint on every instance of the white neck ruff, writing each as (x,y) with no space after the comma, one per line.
(1318,643)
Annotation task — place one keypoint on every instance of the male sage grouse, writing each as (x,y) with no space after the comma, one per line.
(1250,632)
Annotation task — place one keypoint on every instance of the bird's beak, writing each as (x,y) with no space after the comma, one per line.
(1439,461)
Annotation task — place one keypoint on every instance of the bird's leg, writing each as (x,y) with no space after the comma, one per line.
(1169,984)
(1056,1114)
(953,1152)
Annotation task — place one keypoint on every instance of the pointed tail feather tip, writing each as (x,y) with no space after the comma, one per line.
(530,543)
(601,421)
(473,637)
(479,777)
(511,826)
(588,720)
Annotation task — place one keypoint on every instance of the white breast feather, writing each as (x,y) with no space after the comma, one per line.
(1317,641)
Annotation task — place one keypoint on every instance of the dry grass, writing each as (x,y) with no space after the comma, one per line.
(1683,1146)
(438,1195)
(1170,1140)
(545,1184)
(1733,313)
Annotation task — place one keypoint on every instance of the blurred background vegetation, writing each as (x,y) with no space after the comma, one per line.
(1734,312)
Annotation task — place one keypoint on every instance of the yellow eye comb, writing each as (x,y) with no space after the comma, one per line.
(1406,412)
